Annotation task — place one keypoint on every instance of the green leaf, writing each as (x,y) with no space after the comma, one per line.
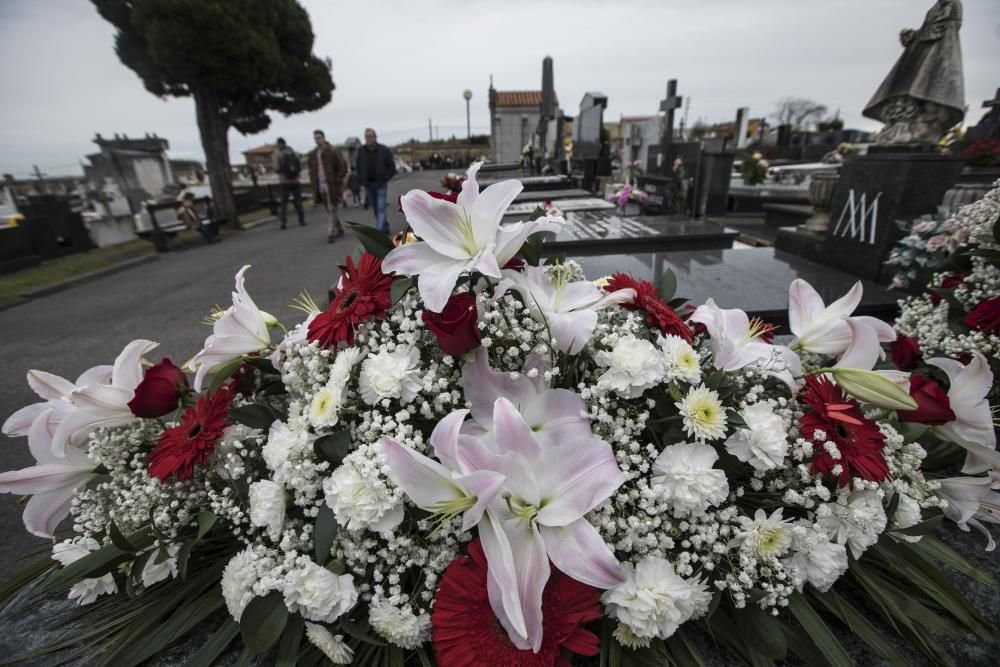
(324,533)
(996,231)
(263,364)
(11,586)
(333,447)
(253,415)
(358,627)
(400,286)
(425,660)
(216,644)
(666,286)
(932,547)
(374,242)
(98,563)
(205,521)
(922,528)
(820,633)
(118,539)
(263,621)
(537,213)
(223,373)
(860,626)
(291,639)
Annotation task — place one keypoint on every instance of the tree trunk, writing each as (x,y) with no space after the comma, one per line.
(215,143)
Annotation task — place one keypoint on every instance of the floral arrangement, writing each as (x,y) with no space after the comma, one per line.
(959,314)
(452,182)
(628,193)
(754,168)
(983,152)
(473,458)
(928,242)
(633,170)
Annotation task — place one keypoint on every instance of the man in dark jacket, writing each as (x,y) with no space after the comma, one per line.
(288,167)
(326,172)
(375,166)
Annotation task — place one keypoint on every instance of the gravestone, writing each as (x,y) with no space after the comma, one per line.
(989,126)
(590,158)
(874,191)
(715,170)
(533,183)
(753,279)
(603,232)
(54,228)
(742,124)
(522,210)
(556,194)
(658,182)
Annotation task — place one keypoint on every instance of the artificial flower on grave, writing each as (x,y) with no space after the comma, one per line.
(471,456)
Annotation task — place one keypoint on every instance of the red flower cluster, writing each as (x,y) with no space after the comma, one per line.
(983,152)
(985,317)
(455,326)
(839,417)
(658,313)
(364,294)
(468,634)
(948,282)
(191,442)
(160,390)
(906,352)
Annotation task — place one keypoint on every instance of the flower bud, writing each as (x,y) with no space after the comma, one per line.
(873,388)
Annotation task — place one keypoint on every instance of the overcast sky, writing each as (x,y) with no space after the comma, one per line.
(398,63)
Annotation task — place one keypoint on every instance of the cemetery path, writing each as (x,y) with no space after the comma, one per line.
(68,332)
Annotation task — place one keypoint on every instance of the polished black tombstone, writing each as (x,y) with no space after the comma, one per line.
(549,182)
(607,232)
(753,279)
(543,195)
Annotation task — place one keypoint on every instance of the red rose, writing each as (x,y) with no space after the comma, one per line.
(933,407)
(906,352)
(514,264)
(447,196)
(160,390)
(455,326)
(948,282)
(985,317)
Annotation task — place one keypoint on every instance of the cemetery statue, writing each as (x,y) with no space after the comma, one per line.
(923,96)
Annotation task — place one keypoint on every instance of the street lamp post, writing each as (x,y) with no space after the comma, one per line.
(467,94)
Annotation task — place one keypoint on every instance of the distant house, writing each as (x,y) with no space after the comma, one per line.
(514,116)
(261,158)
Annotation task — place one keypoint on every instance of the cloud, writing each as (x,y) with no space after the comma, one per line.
(396,64)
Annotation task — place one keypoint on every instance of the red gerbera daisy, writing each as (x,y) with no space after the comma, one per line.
(839,417)
(363,294)
(192,441)
(658,313)
(468,634)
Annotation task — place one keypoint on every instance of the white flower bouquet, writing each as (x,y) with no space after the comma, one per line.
(472,458)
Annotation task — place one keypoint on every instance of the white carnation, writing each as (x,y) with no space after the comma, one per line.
(360,500)
(85,591)
(400,626)
(267,507)
(680,361)
(855,520)
(393,374)
(318,594)
(633,367)
(281,441)
(154,572)
(654,601)
(815,559)
(340,370)
(907,515)
(763,443)
(687,480)
(238,579)
(331,645)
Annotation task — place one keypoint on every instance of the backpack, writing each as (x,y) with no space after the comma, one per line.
(289,165)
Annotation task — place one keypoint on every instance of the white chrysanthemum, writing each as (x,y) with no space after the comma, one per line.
(85,591)
(281,441)
(267,507)
(633,364)
(680,361)
(704,416)
(331,645)
(815,559)
(687,479)
(154,572)
(768,536)
(907,515)
(856,521)
(237,582)
(340,370)
(764,443)
(324,409)
(654,601)
(317,593)
(400,626)
(393,374)
(361,502)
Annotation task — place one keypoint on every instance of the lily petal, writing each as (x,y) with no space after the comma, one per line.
(579,551)
(45,511)
(20,422)
(127,370)
(489,207)
(424,480)
(575,478)
(438,223)
(48,386)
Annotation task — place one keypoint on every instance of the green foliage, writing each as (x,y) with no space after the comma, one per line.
(374,242)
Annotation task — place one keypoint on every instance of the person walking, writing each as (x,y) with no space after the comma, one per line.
(375,166)
(288,167)
(354,187)
(326,172)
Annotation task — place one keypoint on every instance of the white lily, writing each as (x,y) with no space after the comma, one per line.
(240,330)
(737,342)
(971,500)
(824,329)
(569,309)
(52,482)
(461,237)
(973,425)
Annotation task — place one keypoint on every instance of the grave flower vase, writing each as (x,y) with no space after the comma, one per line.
(821,190)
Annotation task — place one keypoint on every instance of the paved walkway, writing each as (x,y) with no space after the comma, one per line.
(165,301)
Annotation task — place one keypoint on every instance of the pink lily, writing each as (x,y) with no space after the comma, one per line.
(973,426)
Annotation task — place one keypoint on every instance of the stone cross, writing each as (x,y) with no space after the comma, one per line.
(994,115)
(672,102)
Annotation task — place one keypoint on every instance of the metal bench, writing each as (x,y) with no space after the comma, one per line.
(159,222)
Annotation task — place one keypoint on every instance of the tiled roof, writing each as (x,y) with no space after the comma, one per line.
(520,98)
(266,149)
